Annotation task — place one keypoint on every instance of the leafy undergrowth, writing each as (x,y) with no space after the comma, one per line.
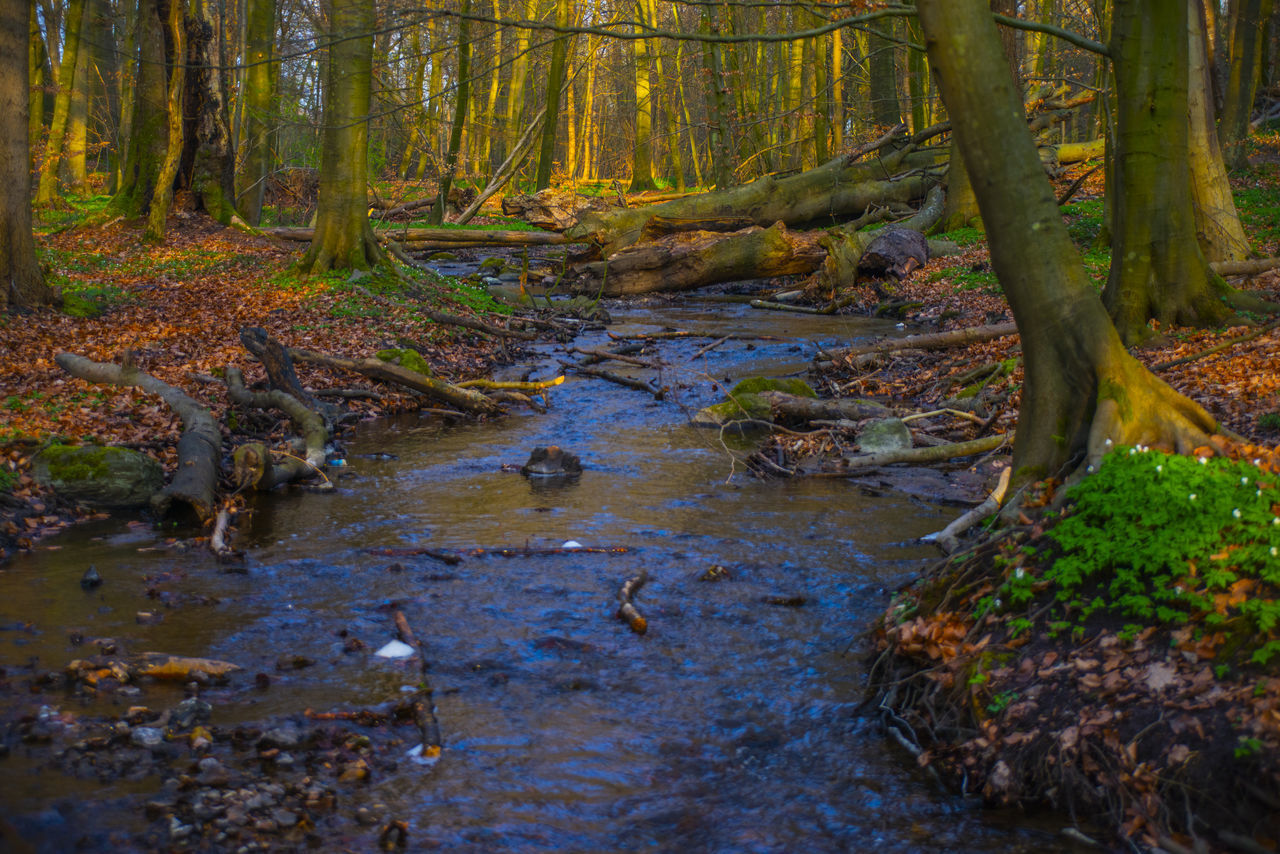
(179,307)
(1120,660)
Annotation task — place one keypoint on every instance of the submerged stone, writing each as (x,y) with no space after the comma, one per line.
(551,461)
(106,477)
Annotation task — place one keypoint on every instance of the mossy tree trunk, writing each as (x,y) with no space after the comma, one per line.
(20,275)
(259,110)
(167,176)
(1218,225)
(883,71)
(1248,28)
(36,58)
(343,237)
(148,125)
(48,187)
(1158,271)
(1082,387)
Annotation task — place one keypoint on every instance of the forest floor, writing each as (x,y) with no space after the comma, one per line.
(179,307)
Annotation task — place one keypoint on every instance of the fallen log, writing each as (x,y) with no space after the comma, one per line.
(931,454)
(688,260)
(306,421)
(627,611)
(928,341)
(199,448)
(845,246)
(478,325)
(515,160)
(598,355)
(834,189)
(460,398)
(552,209)
(434,554)
(815,409)
(275,359)
(1244,268)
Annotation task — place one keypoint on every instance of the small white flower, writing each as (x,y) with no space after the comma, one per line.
(1257,462)
(1274,551)
(1191,497)
(1178,589)
(1244,481)
(1275,520)
(1107,443)
(1019,572)
(1159,468)
(1258,493)
(1204,460)
(1236,512)
(1089,469)
(997,603)
(1133,451)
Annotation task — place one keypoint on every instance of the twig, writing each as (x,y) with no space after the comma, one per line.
(619,379)
(1218,348)
(968,416)
(422,701)
(627,611)
(935,454)
(947,537)
(708,348)
(1076,185)
(609,355)
(443,557)
(512,386)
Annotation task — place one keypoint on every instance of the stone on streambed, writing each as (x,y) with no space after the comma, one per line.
(743,403)
(552,461)
(99,476)
(888,434)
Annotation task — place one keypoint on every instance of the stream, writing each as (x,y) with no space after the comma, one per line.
(732,725)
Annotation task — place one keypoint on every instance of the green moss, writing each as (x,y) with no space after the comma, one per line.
(79,305)
(789,385)
(406,358)
(1111,390)
(493,264)
(742,407)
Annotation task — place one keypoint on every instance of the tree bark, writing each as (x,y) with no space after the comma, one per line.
(1158,271)
(555,84)
(1083,392)
(148,134)
(688,260)
(259,109)
(23,280)
(461,398)
(1248,26)
(344,239)
(208,167)
(1218,225)
(642,150)
(158,212)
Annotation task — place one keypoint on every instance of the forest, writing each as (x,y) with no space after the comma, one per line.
(685,425)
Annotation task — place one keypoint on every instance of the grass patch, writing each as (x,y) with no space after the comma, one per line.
(1084,220)
(968,278)
(964,236)
(1259,209)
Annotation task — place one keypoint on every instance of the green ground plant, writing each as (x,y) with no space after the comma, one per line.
(1163,539)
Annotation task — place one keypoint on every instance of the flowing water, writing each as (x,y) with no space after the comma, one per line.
(732,725)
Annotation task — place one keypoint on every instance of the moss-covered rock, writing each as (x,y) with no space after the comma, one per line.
(406,358)
(789,385)
(743,403)
(493,265)
(107,477)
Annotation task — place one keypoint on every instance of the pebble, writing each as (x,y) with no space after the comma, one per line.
(189,713)
(212,772)
(283,737)
(284,817)
(91,579)
(147,736)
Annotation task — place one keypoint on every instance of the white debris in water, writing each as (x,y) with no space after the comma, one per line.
(415,753)
(395,649)
(571,544)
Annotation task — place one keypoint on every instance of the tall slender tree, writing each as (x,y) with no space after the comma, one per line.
(62,104)
(259,101)
(462,97)
(555,84)
(22,283)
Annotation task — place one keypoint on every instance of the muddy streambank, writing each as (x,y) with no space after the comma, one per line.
(733,724)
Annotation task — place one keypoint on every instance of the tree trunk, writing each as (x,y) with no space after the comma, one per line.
(1248,25)
(555,84)
(158,213)
(688,260)
(642,152)
(20,273)
(62,104)
(344,238)
(885,112)
(36,58)
(207,167)
(148,134)
(832,190)
(259,107)
(1218,225)
(717,107)
(74,168)
(1157,269)
(1082,391)
(519,72)
(462,98)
